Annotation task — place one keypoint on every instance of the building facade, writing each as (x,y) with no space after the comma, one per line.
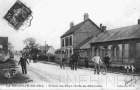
(121,44)
(71,39)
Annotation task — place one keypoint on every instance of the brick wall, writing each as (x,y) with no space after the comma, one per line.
(84,32)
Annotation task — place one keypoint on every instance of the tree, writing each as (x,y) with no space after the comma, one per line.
(30,42)
(31,48)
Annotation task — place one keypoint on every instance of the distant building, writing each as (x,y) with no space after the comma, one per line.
(122,45)
(43,49)
(51,50)
(4,44)
(77,34)
(47,49)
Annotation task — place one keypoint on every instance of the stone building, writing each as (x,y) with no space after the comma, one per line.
(77,34)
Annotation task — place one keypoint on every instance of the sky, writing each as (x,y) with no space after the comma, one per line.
(51,18)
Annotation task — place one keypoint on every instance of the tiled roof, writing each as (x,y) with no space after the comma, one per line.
(77,27)
(85,41)
(129,32)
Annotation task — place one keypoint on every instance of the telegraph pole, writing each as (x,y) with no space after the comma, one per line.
(45,48)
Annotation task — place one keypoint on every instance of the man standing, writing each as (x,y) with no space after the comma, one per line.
(71,62)
(63,58)
(74,60)
(86,62)
(23,61)
(107,60)
(97,62)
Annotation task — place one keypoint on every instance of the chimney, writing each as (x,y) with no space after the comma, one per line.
(103,28)
(86,16)
(139,21)
(71,24)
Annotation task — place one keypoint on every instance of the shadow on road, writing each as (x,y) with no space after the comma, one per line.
(17,79)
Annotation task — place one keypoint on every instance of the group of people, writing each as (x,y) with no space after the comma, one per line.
(73,61)
(98,62)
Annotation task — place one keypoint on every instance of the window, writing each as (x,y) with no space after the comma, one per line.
(126,50)
(66,41)
(115,52)
(70,51)
(126,53)
(102,51)
(97,51)
(120,51)
(70,40)
(137,50)
(63,41)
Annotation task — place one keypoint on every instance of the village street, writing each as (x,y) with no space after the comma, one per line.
(42,72)
(45,74)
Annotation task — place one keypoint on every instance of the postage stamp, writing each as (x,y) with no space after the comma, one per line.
(17,14)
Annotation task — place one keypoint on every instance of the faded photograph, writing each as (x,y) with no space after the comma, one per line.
(70,44)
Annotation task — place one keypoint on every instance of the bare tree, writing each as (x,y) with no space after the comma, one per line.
(31,48)
(30,42)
